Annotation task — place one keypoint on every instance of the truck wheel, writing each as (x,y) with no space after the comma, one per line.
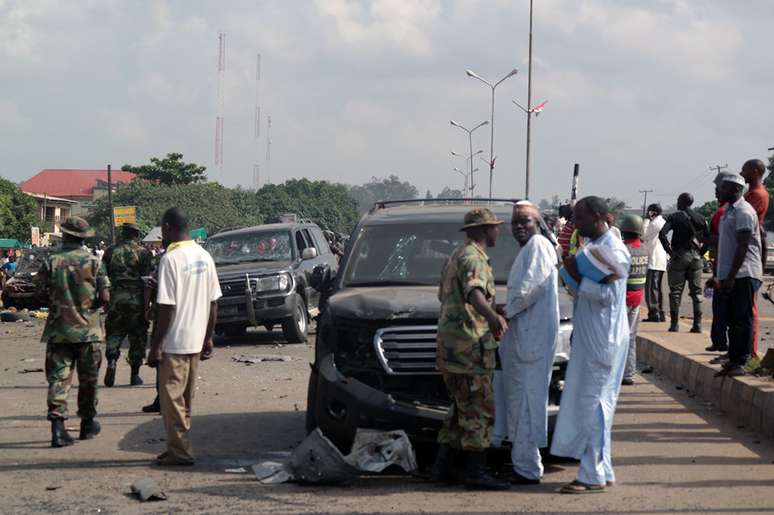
(311,401)
(297,326)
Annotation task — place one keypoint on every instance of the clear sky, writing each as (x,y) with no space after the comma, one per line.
(642,93)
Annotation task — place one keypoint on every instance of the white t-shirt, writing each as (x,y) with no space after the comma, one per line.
(188,281)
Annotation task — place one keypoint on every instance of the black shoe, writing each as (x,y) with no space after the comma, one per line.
(662,317)
(136,380)
(443,467)
(627,381)
(110,372)
(59,435)
(652,319)
(478,476)
(153,407)
(89,429)
(674,326)
(515,478)
(696,328)
(716,348)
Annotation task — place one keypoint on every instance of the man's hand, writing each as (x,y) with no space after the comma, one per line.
(572,267)
(727,284)
(497,325)
(713,283)
(154,358)
(207,349)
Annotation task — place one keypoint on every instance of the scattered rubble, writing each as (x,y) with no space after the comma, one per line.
(252,360)
(148,490)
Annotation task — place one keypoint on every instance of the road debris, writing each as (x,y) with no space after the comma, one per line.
(30,370)
(51,488)
(148,490)
(317,461)
(240,470)
(252,360)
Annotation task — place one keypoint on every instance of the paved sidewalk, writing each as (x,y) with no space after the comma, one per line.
(748,400)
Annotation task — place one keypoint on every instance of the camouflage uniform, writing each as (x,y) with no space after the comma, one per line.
(127,263)
(73,280)
(466,350)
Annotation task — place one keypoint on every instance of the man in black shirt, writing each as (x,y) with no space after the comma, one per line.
(689,229)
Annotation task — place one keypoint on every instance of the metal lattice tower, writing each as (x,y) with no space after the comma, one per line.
(268,149)
(221,103)
(257,124)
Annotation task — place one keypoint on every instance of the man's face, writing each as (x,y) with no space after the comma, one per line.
(651,215)
(491,232)
(748,174)
(524,225)
(728,191)
(586,221)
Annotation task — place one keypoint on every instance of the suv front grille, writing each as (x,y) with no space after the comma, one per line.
(407,349)
(235,287)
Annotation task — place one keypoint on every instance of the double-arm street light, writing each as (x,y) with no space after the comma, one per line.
(470,146)
(492,86)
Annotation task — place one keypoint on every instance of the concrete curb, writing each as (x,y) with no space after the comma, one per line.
(748,400)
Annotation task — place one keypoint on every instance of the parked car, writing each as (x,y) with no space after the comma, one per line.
(375,351)
(769,266)
(20,289)
(264,274)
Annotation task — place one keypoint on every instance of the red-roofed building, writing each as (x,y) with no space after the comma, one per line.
(73,184)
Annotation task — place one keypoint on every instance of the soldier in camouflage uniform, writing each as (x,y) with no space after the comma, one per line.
(127,263)
(468,330)
(77,286)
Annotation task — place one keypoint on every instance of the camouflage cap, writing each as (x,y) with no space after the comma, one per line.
(130,225)
(480,216)
(78,227)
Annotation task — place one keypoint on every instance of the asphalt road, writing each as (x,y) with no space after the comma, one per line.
(671,452)
(765,313)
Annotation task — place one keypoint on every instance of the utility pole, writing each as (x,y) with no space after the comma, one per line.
(575,179)
(220,106)
(718,168)
(110,207)
(645,200)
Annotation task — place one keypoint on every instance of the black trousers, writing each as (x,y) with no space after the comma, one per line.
(719,333)
(654,294)
(739,313)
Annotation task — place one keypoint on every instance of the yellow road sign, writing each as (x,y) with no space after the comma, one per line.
(125,215)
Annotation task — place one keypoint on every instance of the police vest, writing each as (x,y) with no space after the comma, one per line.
(638,270)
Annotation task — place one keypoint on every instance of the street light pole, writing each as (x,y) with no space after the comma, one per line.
(492,86)
(645,200)
(470,146)
(529,103)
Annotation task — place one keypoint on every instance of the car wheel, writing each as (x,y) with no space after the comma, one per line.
(311,403)
(297,327)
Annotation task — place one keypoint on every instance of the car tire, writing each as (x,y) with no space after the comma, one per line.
(311,402)
(296,328)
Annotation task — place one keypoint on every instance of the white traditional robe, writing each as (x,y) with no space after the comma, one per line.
(527,351)
(600,342)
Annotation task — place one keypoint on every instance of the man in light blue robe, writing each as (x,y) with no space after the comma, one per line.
(600,342)
(528,347)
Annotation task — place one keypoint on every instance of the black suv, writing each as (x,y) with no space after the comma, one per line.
(376,338)
(20,289)
(264,274)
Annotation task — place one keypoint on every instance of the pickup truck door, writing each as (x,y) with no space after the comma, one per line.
(305,266)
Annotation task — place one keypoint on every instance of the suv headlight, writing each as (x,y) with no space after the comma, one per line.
(279,282)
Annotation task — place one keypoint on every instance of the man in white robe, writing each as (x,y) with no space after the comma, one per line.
(600,343)
(528,347)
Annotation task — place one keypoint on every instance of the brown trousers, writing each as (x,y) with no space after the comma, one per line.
(177,377)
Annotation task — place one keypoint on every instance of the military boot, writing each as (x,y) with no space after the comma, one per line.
(478,475)
(696,324)
(110,372)
(59,435)
(675,324)
(89,428)
(136,380)
(444,467)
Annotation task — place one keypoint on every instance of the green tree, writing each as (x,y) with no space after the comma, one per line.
(329,205)
(208,205)
(18,212)
(448,192)
(169,171)
(391,188)
(708,209)
(615,205)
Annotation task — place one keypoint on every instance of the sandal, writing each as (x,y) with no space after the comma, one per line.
(576,487)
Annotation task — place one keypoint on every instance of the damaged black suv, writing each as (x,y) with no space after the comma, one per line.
(376,339)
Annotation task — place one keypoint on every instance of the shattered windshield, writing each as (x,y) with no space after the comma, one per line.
(414,254)
(254,246)
(29,263)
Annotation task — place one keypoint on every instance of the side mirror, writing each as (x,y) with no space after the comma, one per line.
(321,278)
(308,253)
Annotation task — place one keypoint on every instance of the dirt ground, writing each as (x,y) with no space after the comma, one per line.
(671,452)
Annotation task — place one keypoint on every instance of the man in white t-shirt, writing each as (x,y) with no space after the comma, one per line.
(188,291)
